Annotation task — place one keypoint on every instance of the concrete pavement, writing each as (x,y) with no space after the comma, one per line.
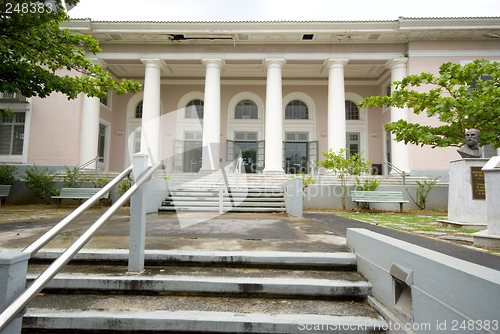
(315,232)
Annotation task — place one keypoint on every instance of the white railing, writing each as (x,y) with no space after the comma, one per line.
(397,170)
(13,96)
(32,291)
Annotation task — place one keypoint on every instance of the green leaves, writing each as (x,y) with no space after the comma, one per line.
(35,52)
(450,99)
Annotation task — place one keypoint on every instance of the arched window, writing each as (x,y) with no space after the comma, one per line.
(246,109)
(351,111)
(194,109)
(138,110)
(296,110)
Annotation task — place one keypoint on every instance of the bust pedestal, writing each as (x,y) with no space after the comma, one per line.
(491,236)
(466,201)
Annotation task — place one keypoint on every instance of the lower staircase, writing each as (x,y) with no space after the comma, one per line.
(236,200)
(197,292)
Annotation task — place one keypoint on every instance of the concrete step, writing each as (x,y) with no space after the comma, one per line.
(227,203)
(177,321)
(175,193)
(216,209)
(332,261)
(226,198)
(203,292)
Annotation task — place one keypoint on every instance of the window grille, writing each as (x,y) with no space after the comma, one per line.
(296,110)
(246,109)
(351,111)
(194,109)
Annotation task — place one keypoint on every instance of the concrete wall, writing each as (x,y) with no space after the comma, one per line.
(442,291)
(329,197)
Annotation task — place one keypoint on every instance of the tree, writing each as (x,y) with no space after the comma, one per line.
(462,98)
(33,49)
(343,163)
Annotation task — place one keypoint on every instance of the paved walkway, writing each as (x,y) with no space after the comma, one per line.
(315,232)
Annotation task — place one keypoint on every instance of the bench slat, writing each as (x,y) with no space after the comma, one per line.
(4,190)
(378,197)
(79,193)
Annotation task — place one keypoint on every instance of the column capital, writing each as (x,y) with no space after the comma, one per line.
(217,63)
(337,63)
(274,62)
(156,63)
(396,63)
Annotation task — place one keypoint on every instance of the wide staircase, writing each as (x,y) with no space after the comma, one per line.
(247,193)
(196,292)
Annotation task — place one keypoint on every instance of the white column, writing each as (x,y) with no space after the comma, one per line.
(336,105)
(89,137)
(274,118)
(151,114)
(400,154)
(211,117)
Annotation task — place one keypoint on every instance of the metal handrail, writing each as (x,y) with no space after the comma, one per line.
(399,171)
(32,291)
(96,159)
(53,232)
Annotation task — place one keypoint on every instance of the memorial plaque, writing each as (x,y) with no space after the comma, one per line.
(477,183)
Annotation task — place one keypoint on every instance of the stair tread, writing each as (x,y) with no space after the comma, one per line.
(199,321)
(195,271)
(227,204)
(204,303)
(216,209)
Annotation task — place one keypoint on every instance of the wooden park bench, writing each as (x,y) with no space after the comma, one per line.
(78,194)
(378,197)
(4,191)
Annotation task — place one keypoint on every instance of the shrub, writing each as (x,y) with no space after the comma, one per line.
(74,178)
(344,163)
(41,181)
(7,174)
(423,189)
(370,184)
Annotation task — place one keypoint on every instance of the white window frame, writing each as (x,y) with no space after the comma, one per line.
(108,106)
(245,125)
(300,125)
(104,166)
(359,125)
(26,109)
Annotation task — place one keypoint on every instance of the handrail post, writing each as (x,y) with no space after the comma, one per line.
(221,197)
(13,270)
(137,241)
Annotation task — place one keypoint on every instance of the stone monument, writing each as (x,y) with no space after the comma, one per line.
(491,236)
(467,194)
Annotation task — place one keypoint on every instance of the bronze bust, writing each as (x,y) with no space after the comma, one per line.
(471,149)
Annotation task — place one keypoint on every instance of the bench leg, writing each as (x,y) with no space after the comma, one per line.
(400,207)
(357,206)
(59,202)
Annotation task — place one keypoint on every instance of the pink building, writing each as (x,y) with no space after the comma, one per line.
(278,92)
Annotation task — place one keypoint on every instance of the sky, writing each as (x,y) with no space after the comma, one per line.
(279,10)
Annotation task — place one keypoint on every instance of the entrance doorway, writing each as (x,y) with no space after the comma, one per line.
(296,157)
(299,152)
(188,153)
(246,144)
(192,156)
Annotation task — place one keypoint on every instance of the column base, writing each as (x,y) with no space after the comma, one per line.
(208,171)
(275,171)
(483,238)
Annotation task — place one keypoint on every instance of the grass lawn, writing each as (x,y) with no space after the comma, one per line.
(418,222)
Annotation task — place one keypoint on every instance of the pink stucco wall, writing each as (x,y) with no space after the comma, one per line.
(55,130)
